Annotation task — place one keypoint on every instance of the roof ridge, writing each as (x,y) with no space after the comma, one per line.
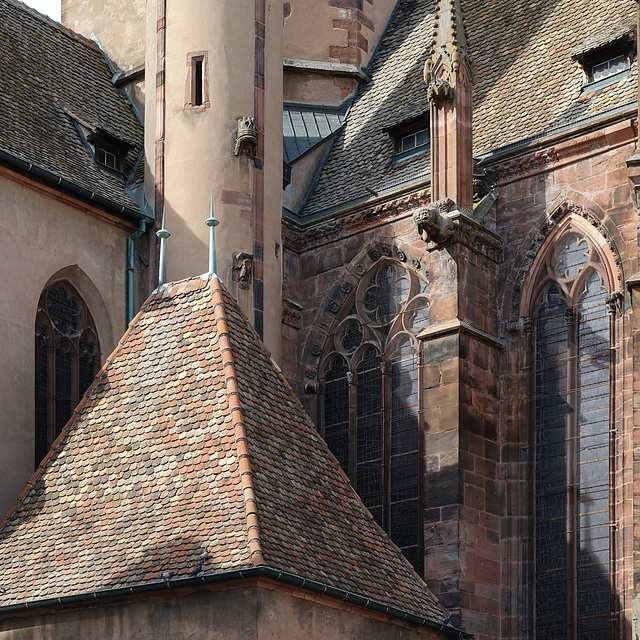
(54,23)
(237,420)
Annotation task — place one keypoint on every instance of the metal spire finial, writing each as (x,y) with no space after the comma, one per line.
(212,223)
(163,234)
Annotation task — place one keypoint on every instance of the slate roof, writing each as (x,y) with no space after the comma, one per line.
(526,83)
(303,127)
(50,76)
(186,423)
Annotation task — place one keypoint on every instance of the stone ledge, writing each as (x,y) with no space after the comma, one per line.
(460,326)
(325,68)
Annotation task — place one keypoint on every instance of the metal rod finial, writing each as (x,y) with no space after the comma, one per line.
(212,222)
(163,234)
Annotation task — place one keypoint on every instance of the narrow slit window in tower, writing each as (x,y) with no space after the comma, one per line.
(198,68)
(197,86)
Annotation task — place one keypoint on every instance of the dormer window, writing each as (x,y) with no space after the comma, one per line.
(107,150)
(606,57)
(410,138)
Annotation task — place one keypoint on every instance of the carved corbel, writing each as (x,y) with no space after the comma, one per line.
(440,89)
(246,137)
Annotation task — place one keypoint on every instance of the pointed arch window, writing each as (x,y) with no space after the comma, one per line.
(572,485)
(67,357)
(371,417)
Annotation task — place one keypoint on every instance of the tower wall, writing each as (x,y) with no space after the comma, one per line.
(119,27)
(190,147)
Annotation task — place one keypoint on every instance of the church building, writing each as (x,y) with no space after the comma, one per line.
(357,279)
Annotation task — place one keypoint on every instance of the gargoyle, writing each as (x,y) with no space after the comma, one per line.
(431,222)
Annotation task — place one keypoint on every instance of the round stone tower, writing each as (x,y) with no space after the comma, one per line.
(213,128)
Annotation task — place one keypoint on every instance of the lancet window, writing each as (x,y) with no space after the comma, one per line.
(572,439)
(371,402)
(67,357)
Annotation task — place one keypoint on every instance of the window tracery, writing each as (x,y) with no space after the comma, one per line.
(371,399)
(572,437)
(67,357)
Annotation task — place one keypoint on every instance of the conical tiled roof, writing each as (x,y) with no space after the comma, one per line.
(190,437)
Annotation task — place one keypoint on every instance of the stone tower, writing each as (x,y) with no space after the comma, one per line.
(213,127)
(208,78)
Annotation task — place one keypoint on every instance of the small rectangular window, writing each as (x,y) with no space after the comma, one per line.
(107,158)
(415,140)
(198,68)
(410,138)
(197,88)
(608,68)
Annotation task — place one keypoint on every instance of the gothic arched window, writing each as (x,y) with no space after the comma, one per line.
(572,388)
(67,356)
(371,399)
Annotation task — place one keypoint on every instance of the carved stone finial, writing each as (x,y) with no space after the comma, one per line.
(246,137)
(448,51)
(448,75)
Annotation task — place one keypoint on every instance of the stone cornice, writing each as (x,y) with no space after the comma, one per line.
(517,168)
(476,236)
(336,229)
(326,68)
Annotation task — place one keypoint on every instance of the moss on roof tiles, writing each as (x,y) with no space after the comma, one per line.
(47,73)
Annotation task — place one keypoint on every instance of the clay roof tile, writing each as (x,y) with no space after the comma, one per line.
(177,450)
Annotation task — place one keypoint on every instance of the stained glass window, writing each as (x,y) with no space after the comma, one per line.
(572,591)
(371,399)
(67,357)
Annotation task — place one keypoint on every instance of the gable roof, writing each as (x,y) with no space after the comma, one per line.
(53,81)
(526,83)
(190,437)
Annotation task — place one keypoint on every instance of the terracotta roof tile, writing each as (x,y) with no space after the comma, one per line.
(191,437)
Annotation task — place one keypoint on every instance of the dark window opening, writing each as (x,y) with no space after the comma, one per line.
(67,357)
(198,83)
(197,86)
